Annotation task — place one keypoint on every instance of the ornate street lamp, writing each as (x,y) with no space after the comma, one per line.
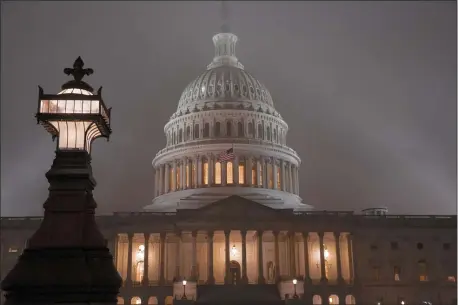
(67,259)
(233,251)
(295,296)
(184,290)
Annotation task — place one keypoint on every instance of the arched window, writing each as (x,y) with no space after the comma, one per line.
(275,135)
(260,132)
(205,171)
(316,300)
(152,301)
(422,271)
(229,173)
(270,176)
(333,299)
(217,129)
(278,177)
(229,129)
(240,129)
(196,131)
(250,130)
(241,171)
(135,300)
(206,130)
(180,136)
(218,172)
(268,133)
(120,301)
(350,300)
(188,133)
(253,173)
(260,178)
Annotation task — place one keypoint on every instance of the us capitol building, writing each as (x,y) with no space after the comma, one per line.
(233,229)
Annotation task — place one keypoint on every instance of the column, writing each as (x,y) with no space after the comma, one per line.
(306,255)
(249,174)
(265,177)
(211,170)
(274,169)
(277,256)
(194,256)
(351,260)
(177,257)
(244,265)
(161,179)
(258,172)
(162,259)
(227,255)
(167,178)
(322,262)
(156,188)
(182,174)
(236,170)
(145,280)
(174,177)
(211,278)
(224,173)
(199,165)
(338,261)
(290,178)
(292,253)
(129,260)
(196,164)
(260,259)
(282,175)
(296,178)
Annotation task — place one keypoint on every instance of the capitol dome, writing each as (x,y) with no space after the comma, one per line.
(226,112)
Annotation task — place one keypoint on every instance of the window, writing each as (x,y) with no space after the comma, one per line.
(270,175)
(229,129)
(376,273)
(250,129)
(394,245)
(451,278)
(229,173)
(422,272)
(217,129)
(206,130)
(188,133)
(278,178)
(205,172)
(180,136)
(397,273)
(240,129)
(218,172)
(260,173)
(196,131)
(419,246)
(268,133)
(241,172)
(253,173)
(260,132)
(275,134)
(446,246)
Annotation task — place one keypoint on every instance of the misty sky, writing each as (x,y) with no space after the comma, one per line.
(368,90)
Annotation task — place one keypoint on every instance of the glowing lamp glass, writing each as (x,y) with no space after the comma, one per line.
(294,281)
(184,282)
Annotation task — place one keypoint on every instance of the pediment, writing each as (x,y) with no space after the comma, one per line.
(237,207)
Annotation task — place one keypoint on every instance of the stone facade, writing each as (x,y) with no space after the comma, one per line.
(378,258)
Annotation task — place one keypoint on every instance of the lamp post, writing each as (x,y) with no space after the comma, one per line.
(67,259)
(184,290)
(295,296)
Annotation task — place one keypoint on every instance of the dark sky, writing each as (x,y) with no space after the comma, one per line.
(368,90)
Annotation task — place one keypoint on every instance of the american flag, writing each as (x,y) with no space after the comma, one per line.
(227,155)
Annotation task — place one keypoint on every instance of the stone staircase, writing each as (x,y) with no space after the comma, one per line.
(238,294)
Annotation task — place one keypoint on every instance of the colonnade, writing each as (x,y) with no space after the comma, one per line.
(207,170)
(284,254)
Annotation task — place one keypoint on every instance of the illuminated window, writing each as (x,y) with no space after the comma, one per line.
(451,278)
(205,172)
(206,130)
(218,172)
(240,129)
(397,273)
(260,173)
(178,176)
(253,173)
(270,175)
(188,174)
(196,131)
(229,173)
(217,129)
(171,186)
(229,129)
(241,172)
(422,272)
(278,178)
